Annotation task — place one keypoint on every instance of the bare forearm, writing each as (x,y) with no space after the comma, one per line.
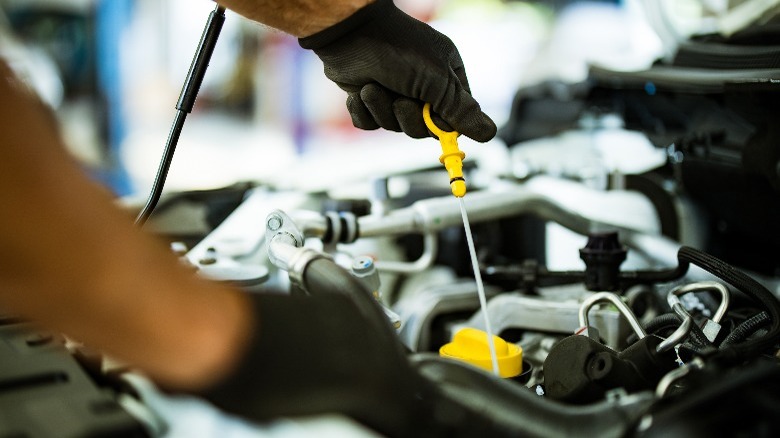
(296,17)
(72,262)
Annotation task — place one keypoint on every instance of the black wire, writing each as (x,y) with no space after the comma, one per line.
(746,329)
(730,352)
(184,106)
(750,287)
(666,321)
(662,321)
(673,321)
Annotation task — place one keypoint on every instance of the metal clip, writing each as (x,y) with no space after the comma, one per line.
(711,326)
(586,329)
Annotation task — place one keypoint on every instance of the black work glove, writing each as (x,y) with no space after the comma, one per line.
(335,352)
(391,64)
(317,355)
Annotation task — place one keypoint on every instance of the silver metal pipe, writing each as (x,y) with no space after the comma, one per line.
(617,302)
(311,223)
(676,374)
(283,237)
(430,247)
(287,257)
(700,286)
(677,337)
(281,253)
(661,249)
(434,214)
(401,221)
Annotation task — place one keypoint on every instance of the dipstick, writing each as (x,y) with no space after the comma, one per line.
(452,159)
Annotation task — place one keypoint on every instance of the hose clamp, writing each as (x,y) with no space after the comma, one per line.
(300,261)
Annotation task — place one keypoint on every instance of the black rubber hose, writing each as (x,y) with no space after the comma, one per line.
(662,321)
(666,320)
(746,329)
(517,411)
(433,413)
(674,320)
(628,278)
(750,287)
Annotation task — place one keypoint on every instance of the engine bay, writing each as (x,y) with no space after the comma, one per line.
(625,327)
(626,233)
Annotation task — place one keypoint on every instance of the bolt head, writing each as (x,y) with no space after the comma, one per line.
(274,223)
(362,264)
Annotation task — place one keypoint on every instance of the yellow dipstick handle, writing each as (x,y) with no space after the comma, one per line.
(451,157)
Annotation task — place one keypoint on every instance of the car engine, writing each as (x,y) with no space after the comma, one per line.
(627,239)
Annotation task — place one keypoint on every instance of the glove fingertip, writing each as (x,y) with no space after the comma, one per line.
(379,103)
(482,128)
(361,116)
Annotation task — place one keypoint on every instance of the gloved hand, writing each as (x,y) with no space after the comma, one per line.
(319,355)
(390,64)
(335,352)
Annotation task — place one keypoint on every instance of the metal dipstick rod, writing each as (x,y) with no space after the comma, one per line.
(184,106)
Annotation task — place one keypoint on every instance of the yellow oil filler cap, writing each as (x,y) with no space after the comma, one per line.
(471,346)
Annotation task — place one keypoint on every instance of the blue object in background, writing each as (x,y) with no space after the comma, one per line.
(650,88)
(84,44)
(111,18)
(300,126)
